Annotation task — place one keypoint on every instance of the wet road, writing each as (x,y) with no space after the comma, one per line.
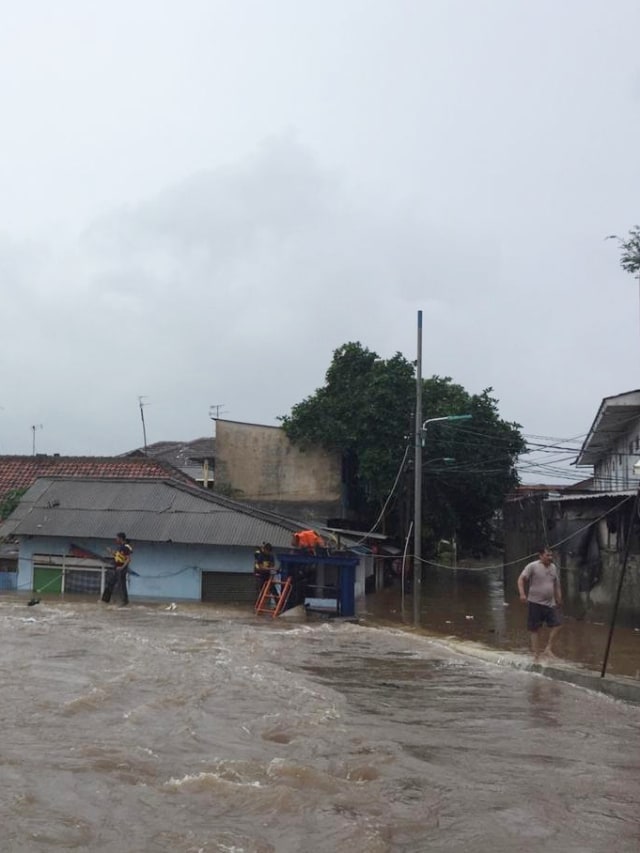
(202,729)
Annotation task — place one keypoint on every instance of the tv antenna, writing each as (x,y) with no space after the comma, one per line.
(216,410)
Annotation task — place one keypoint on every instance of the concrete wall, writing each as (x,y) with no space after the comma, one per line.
(165,570)
(615,470)
(262,467)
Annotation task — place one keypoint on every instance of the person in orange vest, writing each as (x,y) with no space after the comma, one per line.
(307,540)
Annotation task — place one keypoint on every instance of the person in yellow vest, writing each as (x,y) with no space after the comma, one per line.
(117,576)
(263,563)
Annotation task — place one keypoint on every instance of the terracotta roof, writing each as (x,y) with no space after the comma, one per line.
(20,472)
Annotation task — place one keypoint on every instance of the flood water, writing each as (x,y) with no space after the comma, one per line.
(206,729)
(475,605)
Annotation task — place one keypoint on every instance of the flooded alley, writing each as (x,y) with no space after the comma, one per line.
(193,728)
(478,605)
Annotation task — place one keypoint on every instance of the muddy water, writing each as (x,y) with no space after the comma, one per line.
(474,605)
(202,729)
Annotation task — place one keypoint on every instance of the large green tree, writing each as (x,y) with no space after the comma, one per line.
(366,412)
(362,412)
(468,466)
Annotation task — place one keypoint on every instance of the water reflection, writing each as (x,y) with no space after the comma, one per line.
(472,604)
(544,702)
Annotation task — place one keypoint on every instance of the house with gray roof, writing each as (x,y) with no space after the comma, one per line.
(195,459)
(188,543)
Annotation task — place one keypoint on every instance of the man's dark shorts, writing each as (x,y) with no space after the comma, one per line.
(539,615)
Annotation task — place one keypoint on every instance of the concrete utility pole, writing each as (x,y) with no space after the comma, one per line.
(417,487)
(33,429)
(144,428)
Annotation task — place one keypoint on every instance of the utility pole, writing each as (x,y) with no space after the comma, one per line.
(144,428)
(417,490)
(33,429)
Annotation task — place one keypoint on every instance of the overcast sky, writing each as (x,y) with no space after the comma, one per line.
(201,200)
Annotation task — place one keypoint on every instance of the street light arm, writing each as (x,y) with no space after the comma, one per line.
(446,418)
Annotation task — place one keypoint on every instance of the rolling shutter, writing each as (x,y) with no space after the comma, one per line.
(228,586)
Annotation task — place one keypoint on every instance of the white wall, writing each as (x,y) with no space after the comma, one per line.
(165,570)
(615,472)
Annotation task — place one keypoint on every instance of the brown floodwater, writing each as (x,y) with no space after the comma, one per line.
(197,728)
(472,605)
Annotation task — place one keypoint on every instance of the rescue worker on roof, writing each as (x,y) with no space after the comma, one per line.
(307,540)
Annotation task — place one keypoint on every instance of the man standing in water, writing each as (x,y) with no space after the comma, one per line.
(118,575)
(543,599)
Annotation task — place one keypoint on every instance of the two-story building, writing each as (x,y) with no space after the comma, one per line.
(612,445)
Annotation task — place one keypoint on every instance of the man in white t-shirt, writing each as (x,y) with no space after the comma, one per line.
(543,599)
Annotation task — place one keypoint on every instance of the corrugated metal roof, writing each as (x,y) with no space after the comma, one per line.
(148,510)
(590,496)
(613,420)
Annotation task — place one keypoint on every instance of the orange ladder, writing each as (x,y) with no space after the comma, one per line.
(269,600)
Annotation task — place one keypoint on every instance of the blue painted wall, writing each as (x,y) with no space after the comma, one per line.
(165,570)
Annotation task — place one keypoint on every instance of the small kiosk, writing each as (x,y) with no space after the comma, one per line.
(321,582)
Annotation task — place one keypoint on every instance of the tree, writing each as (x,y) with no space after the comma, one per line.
(473,464)
(362,412)
(10,501)
(366,410)
(629,250)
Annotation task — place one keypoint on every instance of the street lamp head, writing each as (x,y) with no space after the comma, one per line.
(446,418)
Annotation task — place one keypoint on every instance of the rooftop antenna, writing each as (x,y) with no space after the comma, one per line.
(33,429)
(216,410)
(144,428)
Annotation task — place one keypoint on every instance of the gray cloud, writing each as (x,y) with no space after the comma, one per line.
(200,211)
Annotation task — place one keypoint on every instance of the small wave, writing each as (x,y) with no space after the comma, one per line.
(302,776)
(207,780)
(89,702)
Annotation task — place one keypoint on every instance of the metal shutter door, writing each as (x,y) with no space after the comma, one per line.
(228,586)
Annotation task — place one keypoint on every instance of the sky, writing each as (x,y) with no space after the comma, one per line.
(201,200)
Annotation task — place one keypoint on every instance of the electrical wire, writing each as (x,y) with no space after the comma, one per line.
(551,547)
(389,496)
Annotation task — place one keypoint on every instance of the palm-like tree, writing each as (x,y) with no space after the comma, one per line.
(629,251)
